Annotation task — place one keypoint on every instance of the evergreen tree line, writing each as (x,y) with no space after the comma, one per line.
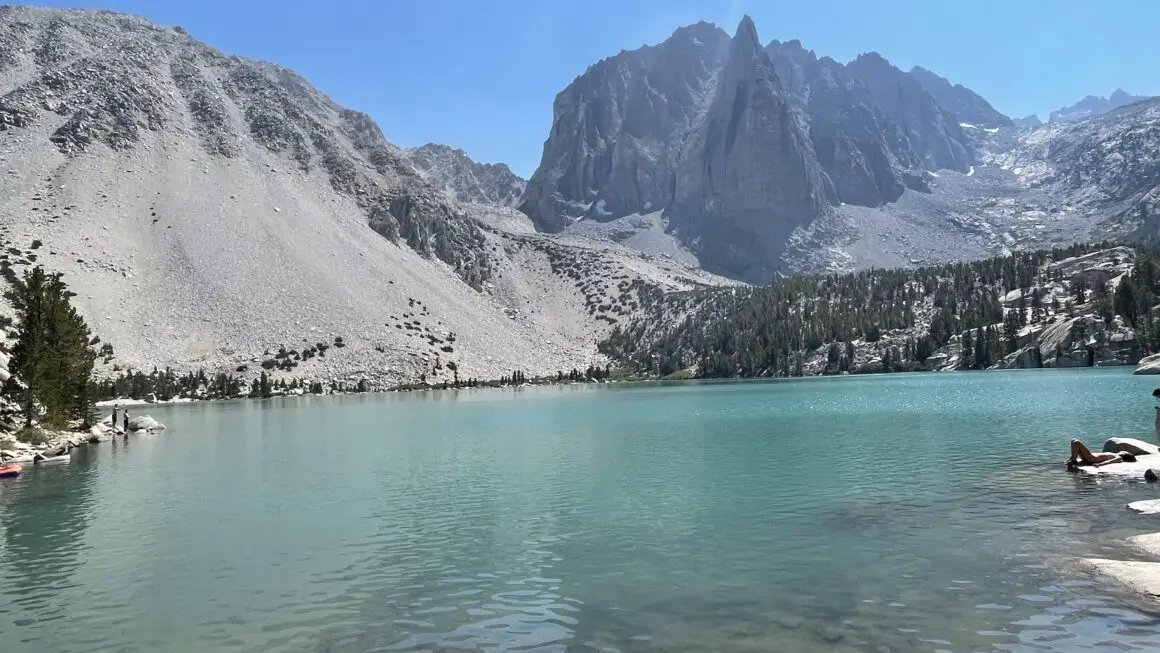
(592,373)
(167,384)
(52,359)
(768,331)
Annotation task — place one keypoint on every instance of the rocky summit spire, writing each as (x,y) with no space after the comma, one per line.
(745,38)
(749,176)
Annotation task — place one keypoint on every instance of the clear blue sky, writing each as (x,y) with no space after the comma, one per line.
(482,74)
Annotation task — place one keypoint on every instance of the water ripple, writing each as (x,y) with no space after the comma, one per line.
(915,513)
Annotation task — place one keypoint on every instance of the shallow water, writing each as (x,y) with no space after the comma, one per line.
(900,513)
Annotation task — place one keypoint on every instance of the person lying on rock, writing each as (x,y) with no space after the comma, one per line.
(1081,455)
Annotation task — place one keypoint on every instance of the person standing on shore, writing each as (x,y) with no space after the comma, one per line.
(1156,394)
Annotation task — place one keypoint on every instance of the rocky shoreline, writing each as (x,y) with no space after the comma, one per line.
(1140,576)
(61,443)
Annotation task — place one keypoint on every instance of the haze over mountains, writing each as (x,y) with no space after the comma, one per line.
(212,211)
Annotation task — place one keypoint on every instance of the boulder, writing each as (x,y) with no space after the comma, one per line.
(1131,445)
(1088,340)
(144,423)
(936,361)
(1028,357)
(1141,577)
(948,358)
(1148,542)
(1134,470)
(57,450)
(1149,365)
(1146,507)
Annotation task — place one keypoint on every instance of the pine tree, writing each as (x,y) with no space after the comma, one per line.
(1125,301)
(1011,330)
(981,349)
(52,359)
(1079,286)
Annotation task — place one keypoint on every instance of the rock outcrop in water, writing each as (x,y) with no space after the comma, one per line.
(1149,365)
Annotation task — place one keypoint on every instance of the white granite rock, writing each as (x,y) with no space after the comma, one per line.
(144,423)
(1148,365)
(1123,470)
(1141,577)
(1147,507)
(1132,445)
(1148,542)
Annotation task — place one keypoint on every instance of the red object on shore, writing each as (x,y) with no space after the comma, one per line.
(10,470)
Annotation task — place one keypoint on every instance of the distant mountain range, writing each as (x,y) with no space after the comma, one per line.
(1094,106)
(772,160)
(1088,107)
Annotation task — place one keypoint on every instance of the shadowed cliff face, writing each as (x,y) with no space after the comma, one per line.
(619,129)
(749,176)
(963,103)
(934,133)
(864,152)
(698,125)
(739,144)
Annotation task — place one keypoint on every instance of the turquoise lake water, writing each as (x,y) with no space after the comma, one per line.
(890,513)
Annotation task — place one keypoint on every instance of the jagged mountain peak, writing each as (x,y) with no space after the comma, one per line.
(619,127)
(873,58)
(721,133)
(793,48)
(1027,122)
(933,132)
(966,105)
(464,179)
(745,36)
(1094,105)
(1120,96)
(700,30)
